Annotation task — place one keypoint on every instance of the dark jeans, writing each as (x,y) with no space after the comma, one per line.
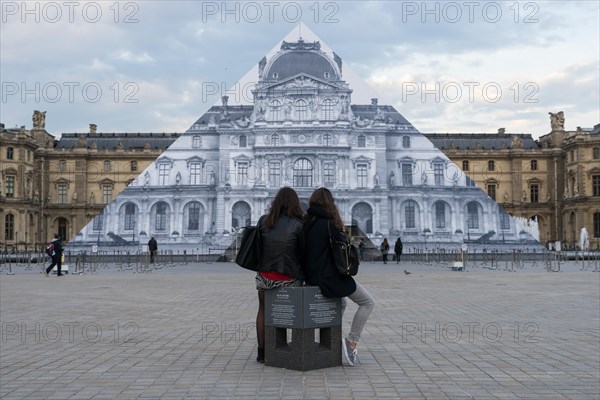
(152,254)
(56,260)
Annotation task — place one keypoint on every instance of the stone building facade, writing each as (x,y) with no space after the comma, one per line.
(302,131)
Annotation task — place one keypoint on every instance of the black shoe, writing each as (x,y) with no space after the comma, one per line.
(261,355)
(59,274)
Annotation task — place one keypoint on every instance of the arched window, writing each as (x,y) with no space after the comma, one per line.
(9,153)
(243,141)
(134,166)
(491,165)
(328,110)
(440,215)
(360,141)
(160,222)
(240,215)
(129,222)
(9,227)
(410,220)
(301,107)
(406,142)
(472,215)
(362,216)
(275,110)
(465,165)
(327,139)
(596,153)
(106,165)
(303,170)
(62,165)
(193,214)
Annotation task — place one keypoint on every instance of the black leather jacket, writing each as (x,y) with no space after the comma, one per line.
(283,247)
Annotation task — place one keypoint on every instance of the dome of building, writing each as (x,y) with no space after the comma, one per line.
(301,58)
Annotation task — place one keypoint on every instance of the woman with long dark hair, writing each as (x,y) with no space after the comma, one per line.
(322,218)
(282,249)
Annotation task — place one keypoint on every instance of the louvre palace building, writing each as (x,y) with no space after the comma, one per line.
(303,131)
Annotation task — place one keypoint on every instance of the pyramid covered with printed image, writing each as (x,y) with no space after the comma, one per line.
(308,122)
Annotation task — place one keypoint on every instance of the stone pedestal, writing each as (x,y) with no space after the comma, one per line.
(314,323)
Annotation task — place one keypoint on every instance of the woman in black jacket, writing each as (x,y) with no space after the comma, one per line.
(323,217)
(282,248)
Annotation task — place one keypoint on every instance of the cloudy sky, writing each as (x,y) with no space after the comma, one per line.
(155,66)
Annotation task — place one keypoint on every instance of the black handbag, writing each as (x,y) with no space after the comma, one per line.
(345,255)
(250,250)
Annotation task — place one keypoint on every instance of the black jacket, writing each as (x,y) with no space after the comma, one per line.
(283,247)
(318,262)
(398,247)
(58,249)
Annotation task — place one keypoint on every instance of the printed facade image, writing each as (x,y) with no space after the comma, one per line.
(303,131)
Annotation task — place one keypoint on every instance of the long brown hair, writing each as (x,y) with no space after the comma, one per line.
(285,203)
(322,198)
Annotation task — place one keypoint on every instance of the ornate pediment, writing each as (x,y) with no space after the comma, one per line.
(164,160)
(406,160)
(361,160)
(195,159)
(301,82)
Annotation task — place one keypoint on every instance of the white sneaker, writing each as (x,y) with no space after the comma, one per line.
(349,353)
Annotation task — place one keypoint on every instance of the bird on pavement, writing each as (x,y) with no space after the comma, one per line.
(406,272)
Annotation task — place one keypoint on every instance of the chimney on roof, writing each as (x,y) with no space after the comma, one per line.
(224,100)
(93,128)
(374,101)
(501,131)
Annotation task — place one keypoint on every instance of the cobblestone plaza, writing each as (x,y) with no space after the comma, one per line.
(188,332)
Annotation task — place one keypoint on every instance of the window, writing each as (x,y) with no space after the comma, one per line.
(303,173)
(98,221)
(327,139)
(243,141)
(301,113)
(275,174)
(596,153)
(163,174)
(275,139)
(107,193)
(491,191)
(62,194)
(129,224)
(534,190)
(275,110)
(409,214)
(595,185)
(329,174)
(327,109)
(133,166)
(62,165)
(407,174)
(438,174)
(195,173)
(491,165)
(160,224)
(106,165)
(9,227)
(10,186)
(242,173)
(504,220)
(597,224)
(465,164)
(440,215)
(534,165)
(196,142)
(472,216)
(406,142)
(194,216)
(361,175)
(9,153)
(361,141)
